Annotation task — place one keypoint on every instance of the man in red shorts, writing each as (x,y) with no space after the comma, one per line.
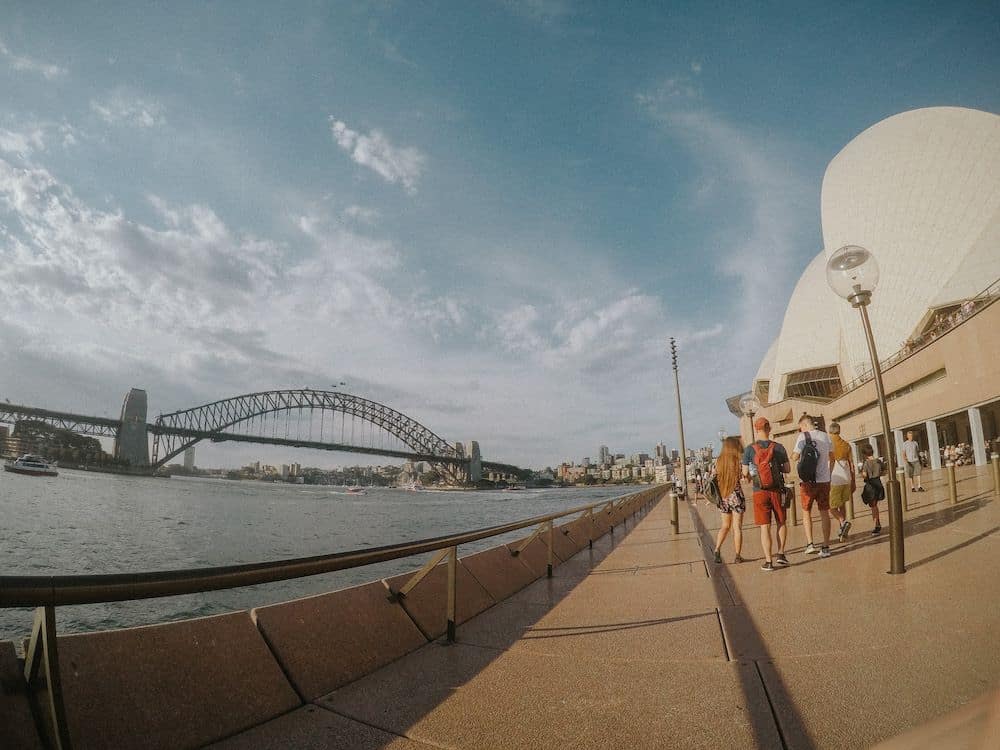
(815,489)
(764,463)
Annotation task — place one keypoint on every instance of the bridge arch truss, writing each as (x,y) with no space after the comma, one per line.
(173,433)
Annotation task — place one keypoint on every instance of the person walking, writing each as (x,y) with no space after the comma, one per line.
(873,492)
(764,463)
(842,479)
(911,454)
(733,504)
(812,456)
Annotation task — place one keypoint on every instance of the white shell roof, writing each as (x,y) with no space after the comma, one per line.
(810,333)
(921,191)
(766,368)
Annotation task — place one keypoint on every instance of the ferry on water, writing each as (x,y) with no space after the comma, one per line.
(34,466)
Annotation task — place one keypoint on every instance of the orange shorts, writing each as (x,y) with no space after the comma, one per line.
(766,502)
(815,492)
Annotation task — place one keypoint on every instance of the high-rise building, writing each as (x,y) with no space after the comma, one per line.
(605,455)
(585,462)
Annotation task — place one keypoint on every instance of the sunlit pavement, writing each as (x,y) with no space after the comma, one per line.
(644,642)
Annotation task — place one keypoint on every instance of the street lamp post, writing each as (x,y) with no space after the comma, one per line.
(852,273)
(680,416)
(750,405)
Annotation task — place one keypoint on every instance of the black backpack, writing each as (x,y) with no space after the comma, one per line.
(808,460)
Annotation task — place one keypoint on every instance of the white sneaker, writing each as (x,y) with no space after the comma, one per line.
(825,552)
(811,549)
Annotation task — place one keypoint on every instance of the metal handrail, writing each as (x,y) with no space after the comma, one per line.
(52,591)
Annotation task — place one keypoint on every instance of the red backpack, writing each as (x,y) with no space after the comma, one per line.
(768,469)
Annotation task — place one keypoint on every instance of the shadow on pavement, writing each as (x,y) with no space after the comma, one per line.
(789,724)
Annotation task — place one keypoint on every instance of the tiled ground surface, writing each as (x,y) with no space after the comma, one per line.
(644,642)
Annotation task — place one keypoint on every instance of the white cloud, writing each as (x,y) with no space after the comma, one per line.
(516,329)
(545,12)
(22,143)
(361,214)
(30,65)
(122,107)
(394,164)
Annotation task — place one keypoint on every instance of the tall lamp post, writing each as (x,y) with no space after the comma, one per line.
(852,273)
(680,416)
(750,405)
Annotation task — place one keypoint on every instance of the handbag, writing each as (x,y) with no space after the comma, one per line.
(868,493)
(713,493)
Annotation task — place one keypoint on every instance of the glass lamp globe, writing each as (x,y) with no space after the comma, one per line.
(852,272)
(749,404)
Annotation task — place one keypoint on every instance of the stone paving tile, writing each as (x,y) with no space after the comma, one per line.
(476,698)
(855,698)
(315,728)
(622,647)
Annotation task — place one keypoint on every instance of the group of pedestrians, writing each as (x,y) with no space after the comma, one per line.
(827,482)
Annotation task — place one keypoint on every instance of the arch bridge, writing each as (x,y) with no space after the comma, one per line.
(323,420)
(302,418)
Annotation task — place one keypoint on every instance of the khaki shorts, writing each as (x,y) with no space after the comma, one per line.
(839,495)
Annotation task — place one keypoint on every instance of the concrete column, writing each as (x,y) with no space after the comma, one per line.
(897,437)
(978,441)
(854,454)
(933,447)
(874,444)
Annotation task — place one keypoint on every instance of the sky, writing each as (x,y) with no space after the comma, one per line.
(491,216)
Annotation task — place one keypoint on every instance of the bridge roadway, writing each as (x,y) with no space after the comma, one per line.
(644,642)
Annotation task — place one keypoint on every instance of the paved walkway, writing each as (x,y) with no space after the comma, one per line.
(643,642)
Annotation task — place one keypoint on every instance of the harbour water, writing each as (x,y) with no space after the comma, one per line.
(87,523)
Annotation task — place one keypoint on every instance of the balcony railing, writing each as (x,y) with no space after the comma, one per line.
(965,311)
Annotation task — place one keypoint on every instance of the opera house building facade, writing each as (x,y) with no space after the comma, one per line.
(921,191)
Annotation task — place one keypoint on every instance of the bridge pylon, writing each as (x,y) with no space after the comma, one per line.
(132,442)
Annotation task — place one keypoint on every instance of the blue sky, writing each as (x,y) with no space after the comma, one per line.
(489,215)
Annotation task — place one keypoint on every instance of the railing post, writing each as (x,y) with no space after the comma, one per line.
(549,543)
(43,647)
(452,585)
(952,489)
(902,488)
(995,460)
(673,513)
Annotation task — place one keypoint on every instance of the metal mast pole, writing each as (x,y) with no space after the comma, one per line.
(680,415)
(897,555)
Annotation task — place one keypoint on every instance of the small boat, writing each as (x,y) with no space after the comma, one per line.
(34,466)
(354,490)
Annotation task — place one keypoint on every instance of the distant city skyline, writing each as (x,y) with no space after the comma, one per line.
(492,224)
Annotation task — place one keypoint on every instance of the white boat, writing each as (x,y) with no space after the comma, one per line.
(34,466)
